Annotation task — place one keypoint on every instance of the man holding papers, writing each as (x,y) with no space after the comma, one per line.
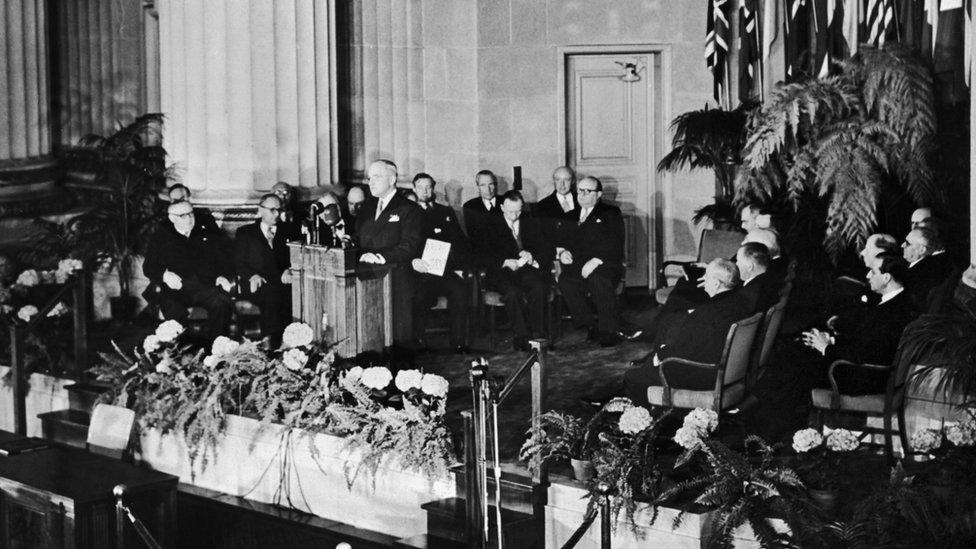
(441,268)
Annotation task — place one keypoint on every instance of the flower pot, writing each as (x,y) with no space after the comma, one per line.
(583,469)
(826,499)
(124,307)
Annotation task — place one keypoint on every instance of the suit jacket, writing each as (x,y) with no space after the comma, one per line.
(477,220)
(201,257)
(502,244)
(929,272)
(700,335)
(396,235)
(873,335)
(440,223)
(601,236)
(550,212)
(777,269)
(253,255)
(762,291)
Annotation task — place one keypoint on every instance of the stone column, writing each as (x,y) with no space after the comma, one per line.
(247,90)
(26,167)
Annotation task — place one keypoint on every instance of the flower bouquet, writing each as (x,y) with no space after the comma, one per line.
(819,457)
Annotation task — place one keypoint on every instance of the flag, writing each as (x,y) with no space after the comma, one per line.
(717,35)
(828,20)
(879,17)
(770,24)
(748,48)
(851,23)
(796,26)
(930,31)
(967,33)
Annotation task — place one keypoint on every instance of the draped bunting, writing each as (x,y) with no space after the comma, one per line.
(717,37)
(879,21)
(748,48)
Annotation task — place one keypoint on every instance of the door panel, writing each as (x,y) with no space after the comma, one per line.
(609,126)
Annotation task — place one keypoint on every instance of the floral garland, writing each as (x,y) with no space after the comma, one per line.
(174,388)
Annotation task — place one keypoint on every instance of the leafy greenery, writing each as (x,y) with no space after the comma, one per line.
(847,138)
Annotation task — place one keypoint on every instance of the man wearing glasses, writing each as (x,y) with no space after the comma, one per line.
(592,263)
(261,260)
(187,266)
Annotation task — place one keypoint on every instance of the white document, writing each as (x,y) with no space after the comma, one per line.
(435,256)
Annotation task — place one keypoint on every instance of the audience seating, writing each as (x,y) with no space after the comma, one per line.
(560,313)
(772,322)
(110,431)
(730,373)
(714,243)
(492,301)
(441,307)
(886,405)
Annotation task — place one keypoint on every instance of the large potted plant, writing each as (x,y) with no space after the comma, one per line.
(127,173)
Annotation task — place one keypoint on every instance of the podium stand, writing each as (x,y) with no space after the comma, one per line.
(338,301)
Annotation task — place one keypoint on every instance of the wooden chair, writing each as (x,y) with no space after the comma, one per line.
(883,405)
(714,243)
(730,373)
(110,431)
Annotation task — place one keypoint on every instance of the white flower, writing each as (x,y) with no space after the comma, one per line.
(297,334)
(66,267)
(687,437)
(28,278)
(223,346)
(704,421)
(634,420)
(926,440)
(617,405)
(408,379)
(150,344)
(26,312)
(961,434)
(58,310)
(434,385)
(353,374)
(294,359)
(48,277)
(210,361)
(169,331)
(805,440)
(376,377)
(163,366)
(842,440)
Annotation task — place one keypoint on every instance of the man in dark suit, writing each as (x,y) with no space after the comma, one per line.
(291,211)
(203,217)
(187,265)
(334,223)
(928,265)
(592,262)
(869,335)
(389,232)
(478,213)
(519,267)
(758,286)
(440,223)
(698,336)
(560,206)
(261,259)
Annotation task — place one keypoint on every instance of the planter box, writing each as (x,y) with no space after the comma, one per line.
(106,285)
(46,393)
(250,461)
(567,505)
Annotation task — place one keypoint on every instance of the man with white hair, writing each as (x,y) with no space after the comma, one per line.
(920,215)
(388,228)
(928,264)
(698,336)
(778,263)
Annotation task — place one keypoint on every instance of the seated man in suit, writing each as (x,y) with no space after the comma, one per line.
(519,267)
(261,259)
(920,215)
(478,213)
(354,200)
(928,265)
(335,225)
(203,217)
(592,262)
(560,206)
(778,263)
(188,266)
(440,223)
(868,335)
(290,209)
(758,286)
(699,335)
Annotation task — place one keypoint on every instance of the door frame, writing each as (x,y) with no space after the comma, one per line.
(660,183)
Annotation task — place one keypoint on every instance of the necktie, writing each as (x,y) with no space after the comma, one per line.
(379,209)
(567,202)
(269,235)
(515,233)
(583,215)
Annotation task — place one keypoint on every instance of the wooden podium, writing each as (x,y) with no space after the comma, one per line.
(341,302)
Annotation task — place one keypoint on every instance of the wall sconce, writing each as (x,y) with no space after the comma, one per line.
(631,71)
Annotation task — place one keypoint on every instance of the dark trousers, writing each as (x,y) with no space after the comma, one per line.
(601,286)
(427,288)
(639,378)
(274,300)
(524,294)
(215,301)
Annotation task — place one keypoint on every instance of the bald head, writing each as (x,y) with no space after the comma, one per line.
(563,179)
(355,198)
(767,237)
(180,214)
(720,275)
(919,215)
(283,191)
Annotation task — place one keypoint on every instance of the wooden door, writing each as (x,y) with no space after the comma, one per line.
(610,134)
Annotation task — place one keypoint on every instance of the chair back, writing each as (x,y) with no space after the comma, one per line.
(717,243)
(110,430)
(770,329)
(738,349)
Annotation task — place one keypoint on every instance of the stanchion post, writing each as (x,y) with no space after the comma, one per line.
(604,489)
(540,476)
(80,318)
(19,379)
(476,502)
(119,492)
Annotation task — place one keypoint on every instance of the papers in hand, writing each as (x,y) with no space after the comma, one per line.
(435,256)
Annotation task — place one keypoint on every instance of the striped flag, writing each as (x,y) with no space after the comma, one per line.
(851,23)
(748,48)
(931,30)
(717,36)
(796,25)
(879,16)
(967,33)
(828,16)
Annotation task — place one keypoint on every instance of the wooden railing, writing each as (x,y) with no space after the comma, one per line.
(79,286)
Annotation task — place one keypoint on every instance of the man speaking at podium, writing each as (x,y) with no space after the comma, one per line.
(389,232)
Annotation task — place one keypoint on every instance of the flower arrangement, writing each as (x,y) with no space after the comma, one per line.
(819,455)
(176,388)
(697,426)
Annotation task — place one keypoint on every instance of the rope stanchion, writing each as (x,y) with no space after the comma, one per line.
(603,490)
(121,513)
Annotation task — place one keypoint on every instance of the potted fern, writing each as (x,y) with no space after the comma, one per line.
(126,173)
(565,437)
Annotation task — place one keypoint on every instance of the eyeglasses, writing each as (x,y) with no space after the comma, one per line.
(182,215)
(586,191)
(269,209)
